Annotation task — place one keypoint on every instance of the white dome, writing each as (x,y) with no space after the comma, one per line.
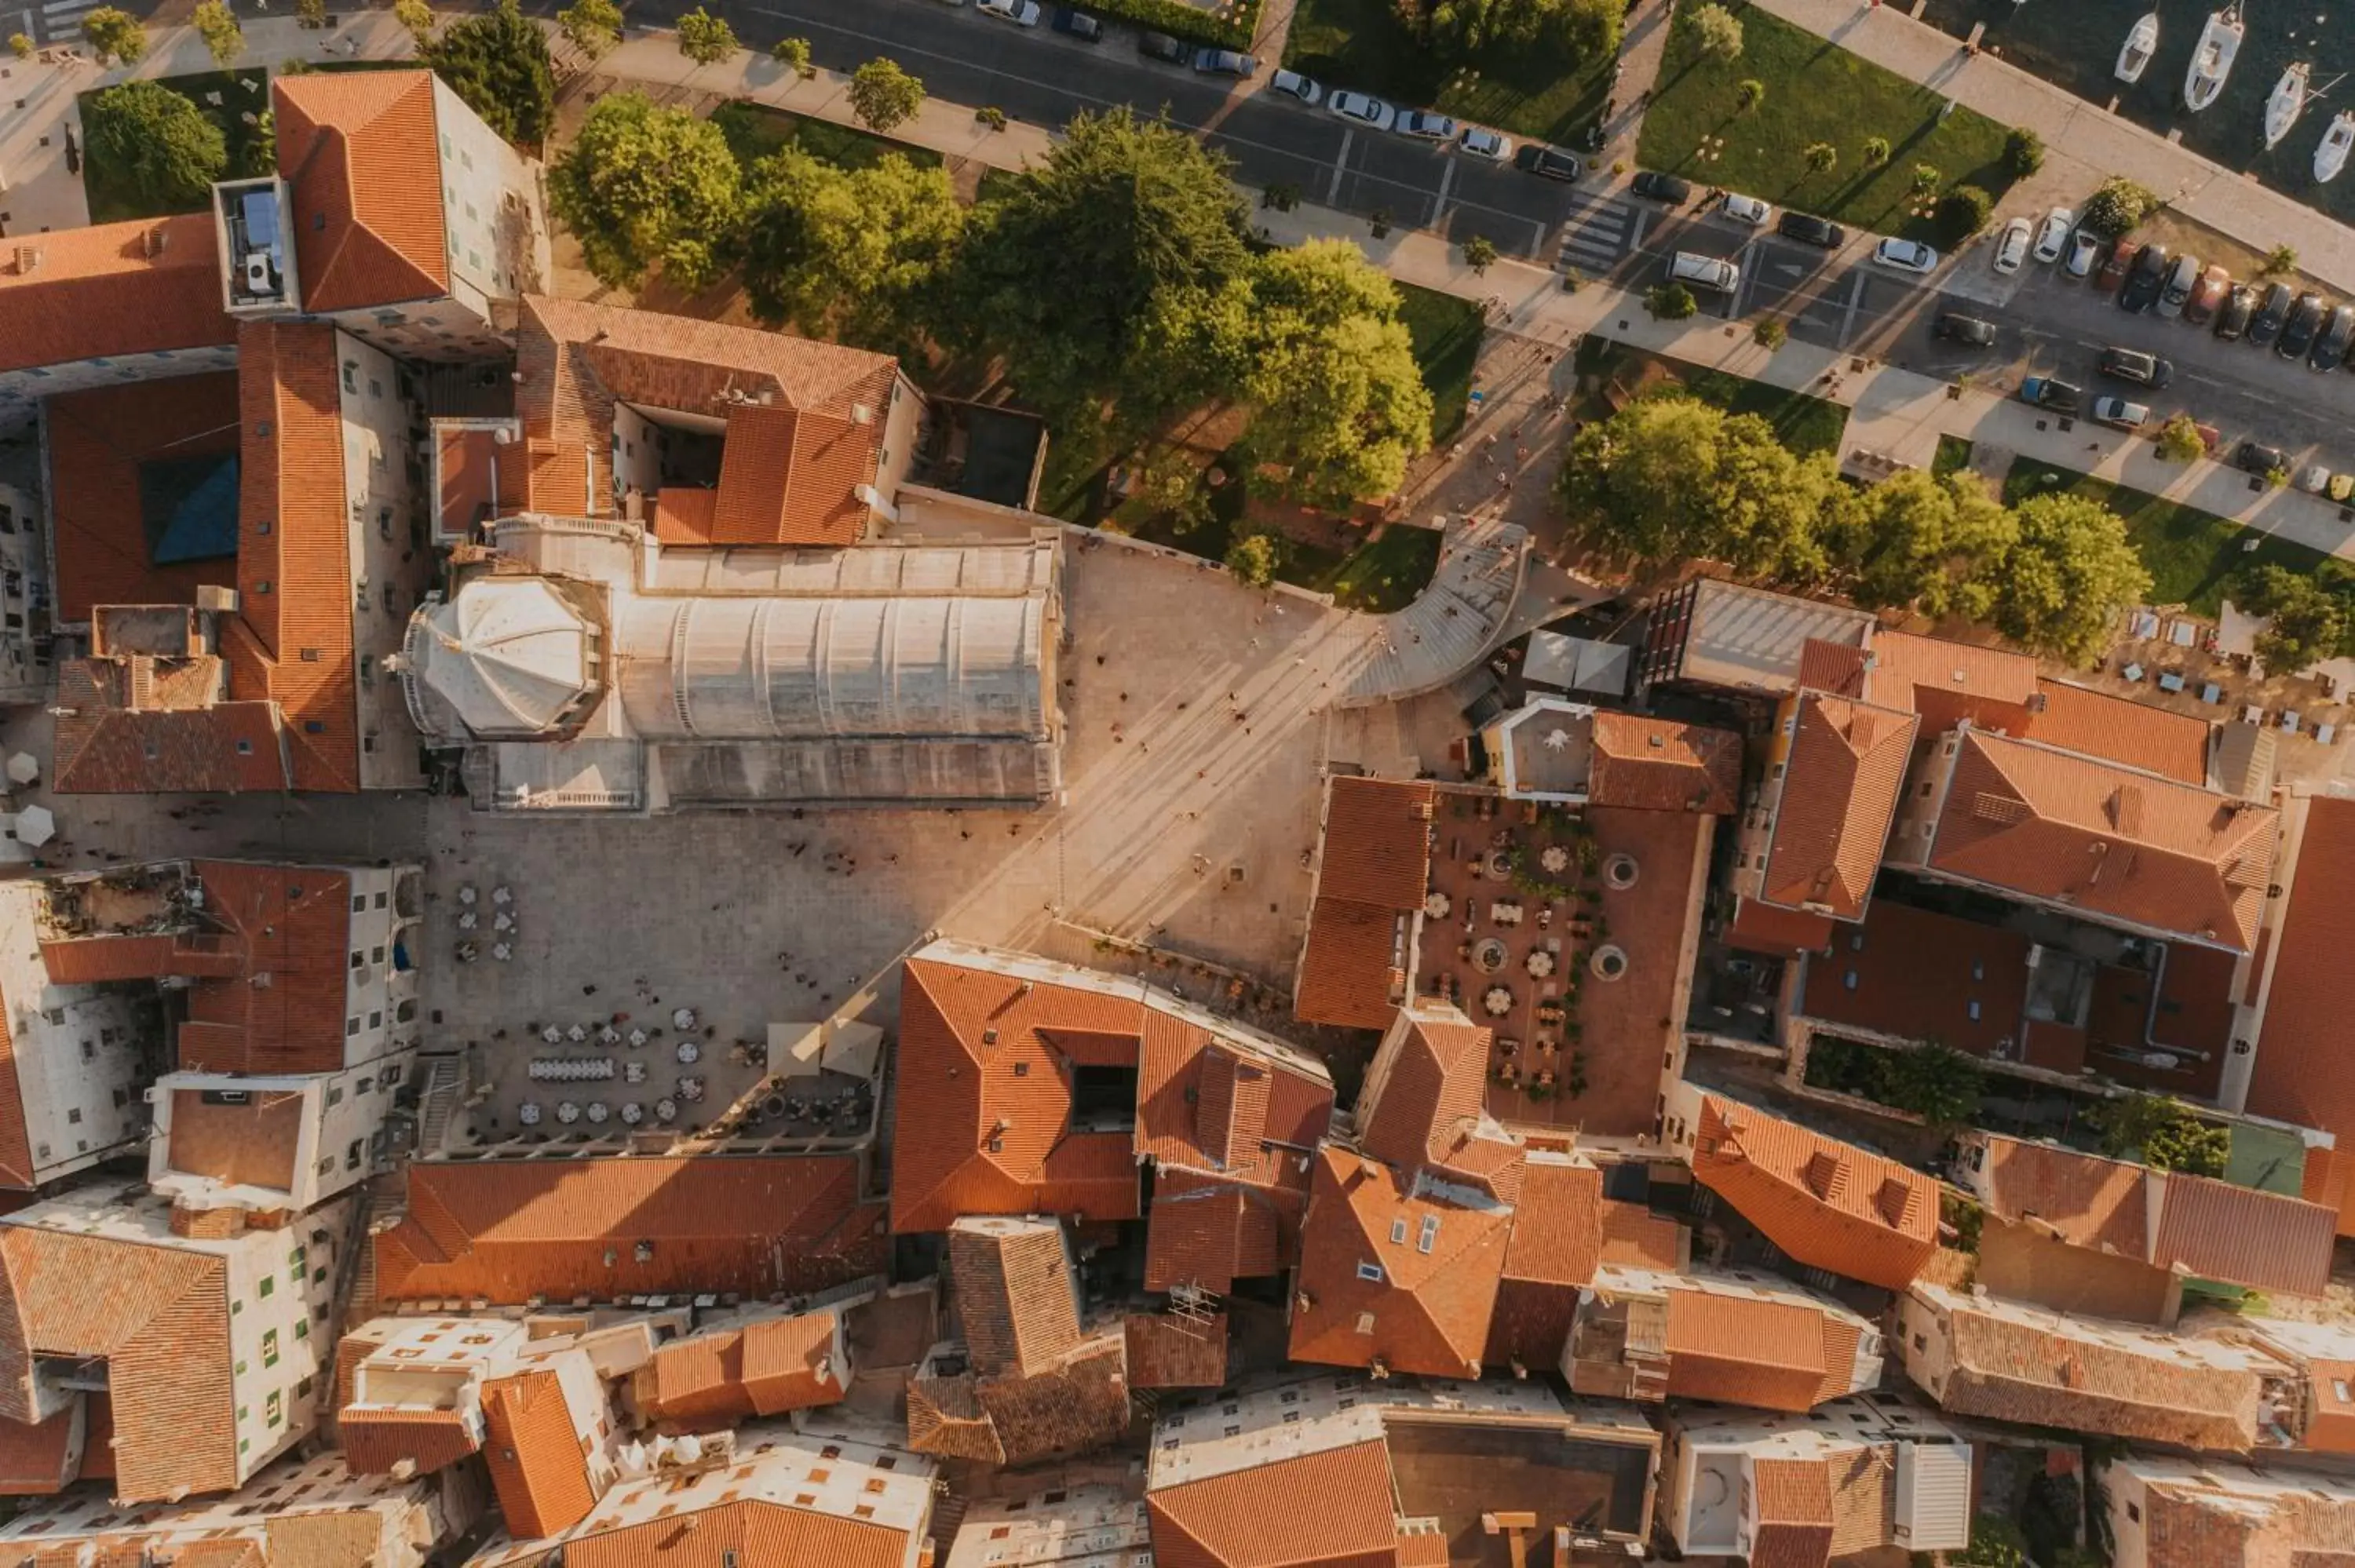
(507,655)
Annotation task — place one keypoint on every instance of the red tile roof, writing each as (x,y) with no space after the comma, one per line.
(1794,1499)
(1427,1087)
(1331,1508)
(1664,765)
(608,1226)
(1208,1230)
(1763,928)
(1350,967)
(1844,771)
(2088,1200)
(105,746)
(786,477)
(2136,735)
(1737,1350)
(1923,975)
(2108,843)
(1168,1351)
(1374,866)
(97,439)
(149,286)
(374,1438)
(1013,1284)
(1423,1311)
(1557,1238)
(2262,1240)
(752,1531)
(2308,1034)
(39,1460)
(535,1455)
(363,173)
(1825,1204)
(718,1378)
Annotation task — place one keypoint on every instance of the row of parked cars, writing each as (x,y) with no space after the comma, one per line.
(1900,255)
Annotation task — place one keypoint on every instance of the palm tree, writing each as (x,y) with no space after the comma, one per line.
(1876,151)
(1820,156)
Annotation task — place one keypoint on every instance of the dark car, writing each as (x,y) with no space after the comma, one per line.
(2046,392)
(2259,459)
(2114,265)
(2268,323)
(1956,327)
(2297,334)
(2133,364)
(1078,24)
(2145,278)
(1808,229)
(2233,319)
(1162,47)
(1547,163)
(1653,185)
(2332,345)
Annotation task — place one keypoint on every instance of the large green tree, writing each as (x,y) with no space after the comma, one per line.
(1589,30)
(114,34)
(158,143)
(645,187)
(1672,478)
(1094,274)
(594,27)
(862,256)
(498,61)
(2307,621)
(1330,374)
(1928,541)
(2163,1131)
(2067,578)
(883,95)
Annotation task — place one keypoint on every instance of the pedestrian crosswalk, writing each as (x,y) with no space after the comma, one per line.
(1595,234)
(59,21)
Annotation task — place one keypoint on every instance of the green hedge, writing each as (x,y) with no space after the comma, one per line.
(1184,21)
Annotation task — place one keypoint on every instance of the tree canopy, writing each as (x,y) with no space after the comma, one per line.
(1716,31)
(883,95)
(1936,1082)
(497,62)
(2306,622)
(704,38)
(160,144)
(1588,29)
(224,39)
(645,187)
(2117,206)
(1930,542)
(860,255)
(594,27)
(2067,576)
(2165,1133)
(114,32)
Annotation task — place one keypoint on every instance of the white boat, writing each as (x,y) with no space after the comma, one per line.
(2289,101)
(2212,61)
(2331,155)
(2142,43)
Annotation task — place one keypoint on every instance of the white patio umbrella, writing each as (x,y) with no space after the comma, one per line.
(23,766)
(36,826)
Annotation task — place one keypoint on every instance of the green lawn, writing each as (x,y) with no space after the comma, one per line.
(1531,90)
(756,130)
(1806,425)
(2195,558)
(1447,333)
(1954,455)
(110,203)
(1386,574)
(1816,91)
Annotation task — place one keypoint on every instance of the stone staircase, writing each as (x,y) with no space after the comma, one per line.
(437,1102)
(1454,621)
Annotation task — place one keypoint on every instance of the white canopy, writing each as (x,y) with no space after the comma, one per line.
(509,655)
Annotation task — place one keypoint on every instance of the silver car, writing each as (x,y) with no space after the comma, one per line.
(1364,108)
(1424,122)
(1299,86)
(1483,143)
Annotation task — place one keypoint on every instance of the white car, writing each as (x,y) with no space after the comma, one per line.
(1748,209)
(2084,250)
(1906,255)
(1483,143)
(1299,86)
(1428,124)
(2011,249)
(1364,108)
(2054,236)
(1021,12)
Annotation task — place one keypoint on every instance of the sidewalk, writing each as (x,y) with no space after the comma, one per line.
(2097,143)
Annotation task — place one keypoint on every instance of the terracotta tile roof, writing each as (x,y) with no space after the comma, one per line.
(1206,1230)
(2136,734)
(1555,1242)
(786,477)
(1014,1291)
(1763,928)
(1836,669)
(2088,1200)
(374,1438)
(159,1318)
(535,1455)
(2308,1034)
(1664,765)
(720,1377)
(1214,1106)
(106,747)
(294,925)
(2007,1369)
(1427,1084)
(1166,1351)
(145,287)
(1377,843)
(1349,974)
(39,1460)
(98,441)
(253,1144)
(2262,1240)
(1844,771)
(1077,1404)
(1742,1350)
(752,1531)
(1919,975)
(291,640)
(1947,683)
(2330,1419)
(1794,1499)
(1635,1237)
(608,1226)
(992,1134)
(363,173)
(1429,1310)
(2111,844)
(1825,1204)
(1331,1508)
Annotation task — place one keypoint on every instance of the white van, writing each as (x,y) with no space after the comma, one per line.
(1709,272)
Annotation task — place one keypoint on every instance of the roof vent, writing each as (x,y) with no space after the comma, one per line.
(860,414)
(28,258)
(990,1036)
(153,240)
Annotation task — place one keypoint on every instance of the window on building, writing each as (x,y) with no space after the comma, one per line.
(1429,1234)
(273,1409)
(1398,1231)
(1364,1322)
(2134,1512)
(268,1286)
(301,1327)
(270,1347)
(1370,1271)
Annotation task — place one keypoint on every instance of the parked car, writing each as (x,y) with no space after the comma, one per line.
(1363,108)
(1224,62)
(1956,327)
(2271,315)
(2338,336)
(1162,47)
(2257,458)
(1653,185)
(2084,250)
(2298,332)
(1078,24)
(2133,364)
(2233,320)
(2208,296)
(1905,255)
(2176,292)
(1547,163)
(2117,411)
(1428,125)
(1298,86)
(1808,229)
(1748,209)
(2052,236)
(2145,278)
(1021,12)
(2046,392)
(1709,272)
(1482,143)
(2011,245)
(2115,265)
